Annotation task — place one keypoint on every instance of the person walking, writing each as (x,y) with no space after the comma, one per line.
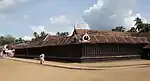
(42,58)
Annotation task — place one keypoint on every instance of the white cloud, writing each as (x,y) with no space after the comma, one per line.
(82,25)
(40,29)
(59,20)
(110,13)
(27,37)
(5,4)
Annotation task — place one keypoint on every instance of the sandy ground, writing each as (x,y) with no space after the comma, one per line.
(20,71)
(115,63)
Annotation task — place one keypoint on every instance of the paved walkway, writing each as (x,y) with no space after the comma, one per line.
(90,66)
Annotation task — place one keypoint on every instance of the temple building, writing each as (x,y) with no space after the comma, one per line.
(85,45)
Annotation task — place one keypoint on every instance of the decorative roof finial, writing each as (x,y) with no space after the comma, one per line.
(74,27)
(86,32)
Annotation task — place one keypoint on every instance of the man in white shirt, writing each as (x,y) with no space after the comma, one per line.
(42,58)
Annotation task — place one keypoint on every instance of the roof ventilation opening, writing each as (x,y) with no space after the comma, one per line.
(75,39)
(86,38)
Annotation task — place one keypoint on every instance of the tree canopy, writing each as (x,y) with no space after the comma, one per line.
(62,33)
(119,29)
(140,27)
(36,35)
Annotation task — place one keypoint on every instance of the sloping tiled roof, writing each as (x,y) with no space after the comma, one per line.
(20,46)
(57,40)
(50,40)
(36,42)
(111,36)
(111,39)
(95,37)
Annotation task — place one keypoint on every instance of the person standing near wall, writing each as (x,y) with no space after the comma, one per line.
(42,58)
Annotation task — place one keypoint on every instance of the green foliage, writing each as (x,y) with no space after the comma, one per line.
(35,34)
(7,39)
(19,40)
(62,33)
(132,30)
(119,29)
(43,34)
(141,27)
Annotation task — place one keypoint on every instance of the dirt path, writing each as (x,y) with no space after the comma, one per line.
(20,71)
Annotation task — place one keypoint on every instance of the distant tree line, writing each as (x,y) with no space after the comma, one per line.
(62,33)
(43,34)
(8,39)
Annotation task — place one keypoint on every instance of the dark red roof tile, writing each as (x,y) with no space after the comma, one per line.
(101,39)
(129,40)
(143,39)
(120,39)
(136,40)
(111,39)
(93,39)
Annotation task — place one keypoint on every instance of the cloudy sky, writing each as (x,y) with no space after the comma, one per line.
(21,18)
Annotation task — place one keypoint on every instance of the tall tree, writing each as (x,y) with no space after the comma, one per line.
(58,33)
(138,24)
(141,27)
(66,33)
(43,34)
(35,34)
(19,40)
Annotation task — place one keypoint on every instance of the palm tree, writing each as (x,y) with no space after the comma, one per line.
(43,34)
(35,34)
(21,40)
(58,33)
(138,24)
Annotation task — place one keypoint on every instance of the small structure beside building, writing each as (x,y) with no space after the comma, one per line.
(7,50)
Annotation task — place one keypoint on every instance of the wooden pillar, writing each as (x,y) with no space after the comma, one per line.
(27,51)
(118,48)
